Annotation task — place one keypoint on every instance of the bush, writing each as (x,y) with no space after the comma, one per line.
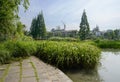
(61,54)
(10,50)
(21,48)
(5,55)
(68,55)
(108,44)
(63,39)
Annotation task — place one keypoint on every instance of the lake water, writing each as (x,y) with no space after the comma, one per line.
(107,71)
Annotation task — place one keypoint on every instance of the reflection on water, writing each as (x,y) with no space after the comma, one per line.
(108,71)
(83,76)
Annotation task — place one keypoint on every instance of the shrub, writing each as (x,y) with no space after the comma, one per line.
(5,55)
(24,49)
(108,44)
(63,39)
(10,50)
(21,48)
(68,55)
(60,54)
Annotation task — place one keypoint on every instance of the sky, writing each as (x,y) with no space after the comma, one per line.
(104,13)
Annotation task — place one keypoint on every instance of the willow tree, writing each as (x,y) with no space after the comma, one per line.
(9,16)
(84,27)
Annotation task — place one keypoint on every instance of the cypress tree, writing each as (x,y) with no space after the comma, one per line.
(41,29)
(33,28)
(38,28)
(84,27)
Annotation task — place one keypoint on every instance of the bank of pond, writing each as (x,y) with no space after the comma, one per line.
(66,55)
(60,54)
(80,60)
(106,71)
(63,54)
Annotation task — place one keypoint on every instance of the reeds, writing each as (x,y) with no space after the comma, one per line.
(60,54)
(108,44)
(64,39)
(69,55)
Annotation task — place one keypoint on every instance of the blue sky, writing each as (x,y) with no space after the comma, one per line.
(104,13)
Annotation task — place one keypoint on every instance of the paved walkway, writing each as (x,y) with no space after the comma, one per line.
(31,70)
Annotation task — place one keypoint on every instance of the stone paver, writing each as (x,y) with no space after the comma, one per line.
(29,79)
(12,77)
(31,70)
(51,73)
(2,70)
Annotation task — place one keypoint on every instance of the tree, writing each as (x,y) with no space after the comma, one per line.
(38,28)
(8,16)
(20,28)
(117,34)
(33,28)
(109,34)
(84,27)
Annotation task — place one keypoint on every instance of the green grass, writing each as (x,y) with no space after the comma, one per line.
(60,54)
(70,39)
(108,44)
(16,50)
(20,80)
(35,71)
(68,54)
(2,79)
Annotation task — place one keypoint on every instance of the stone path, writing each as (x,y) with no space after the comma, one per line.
(31,70)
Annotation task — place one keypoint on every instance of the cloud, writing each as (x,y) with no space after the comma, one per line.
(105,13)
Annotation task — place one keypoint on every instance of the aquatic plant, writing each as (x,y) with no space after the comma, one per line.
(108,44)
(59,54)
(69,55)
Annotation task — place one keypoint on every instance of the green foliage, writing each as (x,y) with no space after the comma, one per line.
(19,34)
(5,55)
(27,38)
(33,28)
(109,34)
(21,49)
(117,34)
(68,55)
(23,37)
(20,28)
(38,28)
(63,39)
(61,54)
(8,17)
(84,27)
(108,44)
(10,50)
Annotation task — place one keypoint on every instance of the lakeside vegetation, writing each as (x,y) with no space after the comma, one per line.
(107,44)
(66,52)
(60,54)
(64,39)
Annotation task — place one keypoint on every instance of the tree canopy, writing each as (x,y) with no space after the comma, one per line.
(9,16)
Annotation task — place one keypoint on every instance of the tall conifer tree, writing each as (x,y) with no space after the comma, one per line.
(84,27)
(33,28)
(38,28)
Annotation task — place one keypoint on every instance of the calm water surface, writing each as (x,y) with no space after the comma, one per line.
(107,71)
